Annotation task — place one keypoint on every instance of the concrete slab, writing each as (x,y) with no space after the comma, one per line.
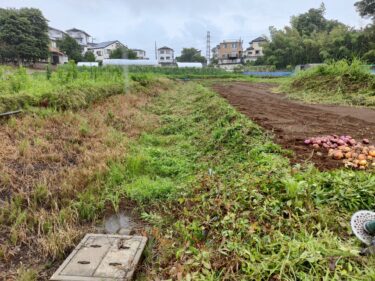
(101,257)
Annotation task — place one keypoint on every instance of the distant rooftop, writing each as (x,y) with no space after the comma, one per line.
(165,48)
(230,41)
(259,39)
(139,50)
(103,44)
(78,30)
(50,27)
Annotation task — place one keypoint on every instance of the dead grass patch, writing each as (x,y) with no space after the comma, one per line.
(46,161)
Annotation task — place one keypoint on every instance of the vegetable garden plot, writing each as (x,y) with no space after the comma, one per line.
(293,122)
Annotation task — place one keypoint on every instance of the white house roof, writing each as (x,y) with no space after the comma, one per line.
(103,44)
(190,64)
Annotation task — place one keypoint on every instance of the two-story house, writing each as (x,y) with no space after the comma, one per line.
(103,50)
(56,55)
(215,52)
(141,54)
(229,52)
(82,38)
(166,55)
(255,50)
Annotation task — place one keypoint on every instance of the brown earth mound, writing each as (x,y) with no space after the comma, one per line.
(292,122)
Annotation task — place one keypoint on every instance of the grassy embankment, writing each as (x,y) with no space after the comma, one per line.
(223,200)
(51,158)
(67,88)
(338,82)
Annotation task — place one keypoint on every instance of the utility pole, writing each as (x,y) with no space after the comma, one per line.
(208,48)
(156,52)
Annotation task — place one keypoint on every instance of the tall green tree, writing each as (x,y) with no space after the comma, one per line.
(89,56)
(23,35)
(311,38)
(71,48)
(123,53)
(366,8)
(191,55)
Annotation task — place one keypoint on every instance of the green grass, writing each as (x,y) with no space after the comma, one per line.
(69,87)
(223,199)
(338,82)
(181,73)
(251,217)
(225,202)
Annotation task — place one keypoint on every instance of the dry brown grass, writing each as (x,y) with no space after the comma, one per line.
(46,161)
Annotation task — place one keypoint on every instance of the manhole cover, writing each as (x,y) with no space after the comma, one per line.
(101,257)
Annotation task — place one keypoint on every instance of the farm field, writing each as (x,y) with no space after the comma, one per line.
(220,196)
(292,122)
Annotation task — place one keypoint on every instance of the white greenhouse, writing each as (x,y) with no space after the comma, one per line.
(126,62)
(189,65)
(88,64)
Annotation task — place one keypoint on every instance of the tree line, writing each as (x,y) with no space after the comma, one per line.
(311,38)
(24,39)
(23,35)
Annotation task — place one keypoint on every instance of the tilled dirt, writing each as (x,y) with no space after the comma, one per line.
(292,122)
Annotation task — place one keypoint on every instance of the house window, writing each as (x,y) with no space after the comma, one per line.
(234,45)
(168,58)
(225,46)
(257,52)
(162,52)
(250,53)
(99,53)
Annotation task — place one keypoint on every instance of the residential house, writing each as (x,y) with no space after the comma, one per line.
(255,50)
(56,56)
(103,50)
(229,53)
(83,38)
(141,54)
(54,35)
(166,55)
(215,53)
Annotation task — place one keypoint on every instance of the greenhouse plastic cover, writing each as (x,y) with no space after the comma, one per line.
(88,64)
(129,62)
(190,64)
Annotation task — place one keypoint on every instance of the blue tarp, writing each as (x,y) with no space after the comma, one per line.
(269,73)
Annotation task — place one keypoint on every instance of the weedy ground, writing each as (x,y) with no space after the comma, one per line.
(341,82)
(237,209)
(222,199)
(51,165)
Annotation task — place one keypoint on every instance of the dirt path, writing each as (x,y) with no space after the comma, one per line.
(292,122)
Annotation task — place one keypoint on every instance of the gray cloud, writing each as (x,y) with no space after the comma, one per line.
(180,23)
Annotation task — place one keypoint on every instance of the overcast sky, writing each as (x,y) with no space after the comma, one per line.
(180,23)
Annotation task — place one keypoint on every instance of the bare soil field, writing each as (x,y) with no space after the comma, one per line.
(292,122)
